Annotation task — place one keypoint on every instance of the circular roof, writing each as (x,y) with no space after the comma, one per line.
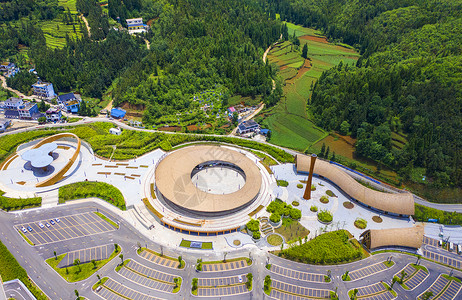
(39,157)
(173,179)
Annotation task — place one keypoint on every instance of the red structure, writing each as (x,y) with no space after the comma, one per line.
(307,194)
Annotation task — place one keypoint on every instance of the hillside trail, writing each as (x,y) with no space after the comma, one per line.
(148,44)
(5,86)
(86,24)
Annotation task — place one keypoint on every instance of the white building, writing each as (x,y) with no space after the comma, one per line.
(4,123)
(115,131)
(136,25)
(44,90)
(53,115)
(12,103)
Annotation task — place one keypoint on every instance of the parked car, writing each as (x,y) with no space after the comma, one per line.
(24,230)
(29,228)
(48,225)
(52,222)
(41,225)
(57,220)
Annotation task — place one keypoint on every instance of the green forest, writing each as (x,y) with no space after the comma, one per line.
(400,101)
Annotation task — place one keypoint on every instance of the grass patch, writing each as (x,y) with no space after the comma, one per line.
(10,269)
(325,216)
(25,238)
(81,272)
(389,264)
(324,199)
(389,289)
(87,189)
(177,287)
(107,219)
(328,248)
(295,203)
(181,266)
(204,245)
(314,208)
(100,282)
(330,193)
(119,266)
(299,185)
(377,219)
(348,205)
(282,183)
(274,240)
(236,242)
(360,223)
(419,267)
(292,230)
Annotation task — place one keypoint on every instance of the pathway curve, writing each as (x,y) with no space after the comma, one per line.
(86,24)
(5,86)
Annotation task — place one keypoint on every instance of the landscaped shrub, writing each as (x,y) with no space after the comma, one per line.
(87,189)
(287,209)
(423,213)
(330,193)
(324,199)
(360,223)
(328,248)
(300,186)
(253,225)
(313,187)
(314,208)
(282,183)
(295,214)
(276,206)
(325,216)
(295,203)
(256,235)
(275,218)
(18,203)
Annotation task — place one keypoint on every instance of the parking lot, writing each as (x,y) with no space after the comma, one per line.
(371,289)
(451,292)
(367,271)
(147,282)
(148,272)
(214,282)
(438,285)
(122,290)
(224,266)
(222,291)
(159,260)
(445,259)
(68,227)
(299,290)
(383,296)
(310,277)
(87,255)
(416,279)
(275,294)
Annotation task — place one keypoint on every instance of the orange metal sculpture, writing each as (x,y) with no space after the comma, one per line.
(307,194)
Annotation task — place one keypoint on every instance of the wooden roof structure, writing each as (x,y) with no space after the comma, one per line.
(411,237)
(399,203)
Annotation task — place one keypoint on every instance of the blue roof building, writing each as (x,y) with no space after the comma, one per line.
(70,102)
(118,113)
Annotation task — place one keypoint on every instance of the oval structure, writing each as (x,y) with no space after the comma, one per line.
(174,184)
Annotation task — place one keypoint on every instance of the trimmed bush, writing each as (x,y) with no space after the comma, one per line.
(313,187)
(18,203)
(325,216)
(324,199)
(314,208)
(330,193)
(295,214)
(300,186)
(256,235)
(275,218)
(295,203)
(282,183)
(253,225)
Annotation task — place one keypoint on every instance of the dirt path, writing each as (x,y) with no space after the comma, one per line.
(248,117)
(18,93)
(86,24)
(148,44)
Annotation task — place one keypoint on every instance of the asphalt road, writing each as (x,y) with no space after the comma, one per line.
(33,260)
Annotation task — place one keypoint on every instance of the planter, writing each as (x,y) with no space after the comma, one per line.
(275,225)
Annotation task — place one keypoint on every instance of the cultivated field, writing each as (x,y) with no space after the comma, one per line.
(289,120)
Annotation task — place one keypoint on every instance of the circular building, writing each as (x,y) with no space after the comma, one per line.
(207,180)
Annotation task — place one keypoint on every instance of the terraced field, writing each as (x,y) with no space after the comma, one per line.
(55,32)
(289,120)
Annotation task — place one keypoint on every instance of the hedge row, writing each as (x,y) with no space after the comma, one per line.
(18,203)
(87,189)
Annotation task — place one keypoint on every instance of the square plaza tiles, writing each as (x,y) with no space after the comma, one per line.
(69,227)
(367,271)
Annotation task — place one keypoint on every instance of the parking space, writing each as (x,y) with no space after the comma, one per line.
(169,263)
(416,279)
(150,273)
(367,271)
(299,290)
(298,275)
(383,296)
(222,291)
(109,295)
(455,261)
(437,286)
(215,282)
(126,292)
(276,294)
(371,289)
(234,265)
(64,228)
(451,292)
(144,281)
(87,255)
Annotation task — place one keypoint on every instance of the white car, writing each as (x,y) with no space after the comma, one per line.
(41,225)
(48,225)
(57,220)
(24,230)
(240,278)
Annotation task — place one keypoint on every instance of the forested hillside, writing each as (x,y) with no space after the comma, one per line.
(407,85)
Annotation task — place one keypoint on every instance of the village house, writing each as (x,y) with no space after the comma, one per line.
(247,127)
(44,90)
(16,108)
(69,102)
(136,25)
(53,115)
(4,123)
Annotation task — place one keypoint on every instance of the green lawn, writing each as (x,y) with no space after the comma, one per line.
(328,248)
(106,219)
(81,272)
(87,189)
(205,245)
(292,230)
